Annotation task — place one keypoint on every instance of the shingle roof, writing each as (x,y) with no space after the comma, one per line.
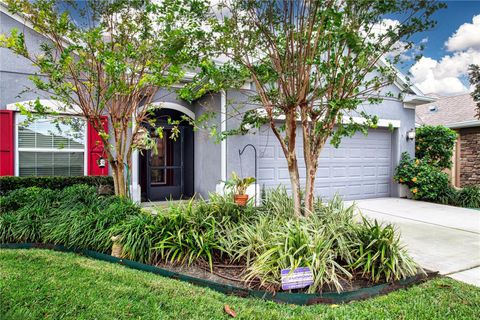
(447,111)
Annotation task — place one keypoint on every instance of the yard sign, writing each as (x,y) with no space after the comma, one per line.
(296,279)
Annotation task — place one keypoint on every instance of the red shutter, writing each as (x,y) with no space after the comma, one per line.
(6,143)
(96,150)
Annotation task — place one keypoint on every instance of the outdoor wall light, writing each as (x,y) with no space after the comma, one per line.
(101,162)
(411,135)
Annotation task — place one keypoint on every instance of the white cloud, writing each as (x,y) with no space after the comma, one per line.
(444,76)
(424,77)
(467,36)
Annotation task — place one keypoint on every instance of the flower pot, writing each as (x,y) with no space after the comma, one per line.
(241,199)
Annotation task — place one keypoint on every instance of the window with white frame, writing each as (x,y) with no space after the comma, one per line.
(50,147)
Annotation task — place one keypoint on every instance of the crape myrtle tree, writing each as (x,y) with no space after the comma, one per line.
(313,63)
(109,58)
(474,75)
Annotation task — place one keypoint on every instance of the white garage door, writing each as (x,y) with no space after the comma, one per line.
(360,168)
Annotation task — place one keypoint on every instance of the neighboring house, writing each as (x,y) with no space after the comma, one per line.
(458,113)
(194,164)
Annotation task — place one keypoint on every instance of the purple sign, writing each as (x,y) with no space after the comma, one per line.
(296,279)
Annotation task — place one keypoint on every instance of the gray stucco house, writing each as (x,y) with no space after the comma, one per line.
(362,167)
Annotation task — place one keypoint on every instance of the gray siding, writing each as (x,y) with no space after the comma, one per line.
(15,70)
(207,150)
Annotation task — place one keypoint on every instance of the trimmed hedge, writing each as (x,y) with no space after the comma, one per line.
(104,184)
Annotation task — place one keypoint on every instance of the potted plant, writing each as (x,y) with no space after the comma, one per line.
(239,187)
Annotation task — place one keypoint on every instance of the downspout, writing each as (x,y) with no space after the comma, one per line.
(223,128)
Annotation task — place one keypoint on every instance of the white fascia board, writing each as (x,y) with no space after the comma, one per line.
(411,100)
(382,123)
(51,105)
(464,124)
(17,17)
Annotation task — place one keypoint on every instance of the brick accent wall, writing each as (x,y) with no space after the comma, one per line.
(469,156)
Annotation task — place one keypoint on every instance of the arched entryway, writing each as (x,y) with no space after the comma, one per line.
(167,173)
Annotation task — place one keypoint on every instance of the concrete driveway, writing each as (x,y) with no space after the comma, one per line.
(440,238)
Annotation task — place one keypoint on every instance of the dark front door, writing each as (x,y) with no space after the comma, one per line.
(165,167)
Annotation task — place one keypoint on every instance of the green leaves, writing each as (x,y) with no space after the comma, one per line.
(263,240)
(110,58)
(379,253)
(15,42)
(435,145)
(237,184)
(425,181)
(474,77)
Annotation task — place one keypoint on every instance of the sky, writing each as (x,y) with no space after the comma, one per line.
(449,48)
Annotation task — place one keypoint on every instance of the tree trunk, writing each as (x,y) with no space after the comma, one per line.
(311,170)
(118,174)
(295,182)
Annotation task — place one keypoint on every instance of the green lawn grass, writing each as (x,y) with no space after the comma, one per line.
(42,284)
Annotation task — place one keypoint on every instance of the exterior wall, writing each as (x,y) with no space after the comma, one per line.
(469,156)
(207,152)
(15,70)
(388,109)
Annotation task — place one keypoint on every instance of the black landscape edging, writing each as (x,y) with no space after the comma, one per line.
(281,297)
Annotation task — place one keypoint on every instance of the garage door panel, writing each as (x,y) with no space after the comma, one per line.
(360,168)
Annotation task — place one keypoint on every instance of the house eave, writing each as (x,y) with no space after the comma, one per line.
(413,100)
(464,124)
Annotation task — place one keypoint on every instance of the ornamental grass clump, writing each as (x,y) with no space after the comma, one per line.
(83,219)
(379,255)
(74,217)
(330,242)
(23,214)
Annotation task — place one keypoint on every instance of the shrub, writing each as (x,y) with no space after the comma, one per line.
(468,197)
(24,213)
(379,253)
(264,240)
(84,220)
(75,217)
(426,182)
(434,144)
(138,233)
(8,183)
(25,197)
(327,241)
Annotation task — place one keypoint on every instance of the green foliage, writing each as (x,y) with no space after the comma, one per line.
(75,217)
(138,235)
(326,241)
(266,42)
(108,58)
(426,182)
(23,213)
(379,253)
(474,77)
(10,183)
(468,197)
(434,144)
(264,240)
(239,185)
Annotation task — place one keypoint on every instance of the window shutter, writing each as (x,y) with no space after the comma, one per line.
(96,150)
(6,143)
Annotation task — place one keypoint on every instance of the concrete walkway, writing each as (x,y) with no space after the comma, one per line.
(440,238)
